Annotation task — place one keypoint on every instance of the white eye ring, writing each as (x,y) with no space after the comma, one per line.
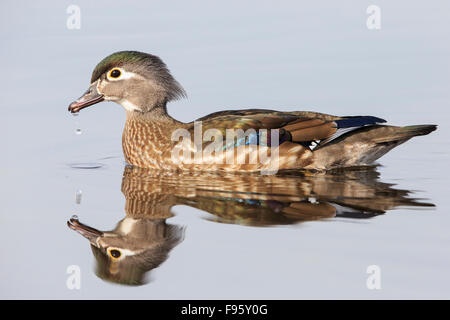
(118,74)
(114,74)
(110,253)
(123,253)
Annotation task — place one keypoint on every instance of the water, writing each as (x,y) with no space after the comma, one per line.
(287,236)
(86,165)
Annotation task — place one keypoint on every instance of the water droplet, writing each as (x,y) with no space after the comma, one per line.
(78,196)
(74,217)
(86,165)
(78,131)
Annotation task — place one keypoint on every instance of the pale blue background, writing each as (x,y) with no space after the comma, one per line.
(291,55)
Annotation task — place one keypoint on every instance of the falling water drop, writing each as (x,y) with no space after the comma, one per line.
(74,217)
(77,130)
(78,195)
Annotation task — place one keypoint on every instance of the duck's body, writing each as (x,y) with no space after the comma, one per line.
(147,141)
(271,140)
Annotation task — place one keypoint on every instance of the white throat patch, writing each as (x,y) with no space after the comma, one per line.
(127,225)
(128,105)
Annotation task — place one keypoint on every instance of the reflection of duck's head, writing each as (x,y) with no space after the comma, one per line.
(134,247)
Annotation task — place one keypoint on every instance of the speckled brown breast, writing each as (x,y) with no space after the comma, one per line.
(148,144)
(145,144)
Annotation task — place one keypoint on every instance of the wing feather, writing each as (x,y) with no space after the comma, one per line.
(302,127)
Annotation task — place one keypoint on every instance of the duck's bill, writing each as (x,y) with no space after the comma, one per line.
(90,97)
(88,232)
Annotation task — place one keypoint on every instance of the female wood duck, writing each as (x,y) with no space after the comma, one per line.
(143,85)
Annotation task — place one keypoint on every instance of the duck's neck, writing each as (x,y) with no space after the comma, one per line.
(156,114)
(147,135)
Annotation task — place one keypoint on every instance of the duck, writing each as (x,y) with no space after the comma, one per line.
(245,140)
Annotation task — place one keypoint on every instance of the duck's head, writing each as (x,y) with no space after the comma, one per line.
(138,81)
(136,246)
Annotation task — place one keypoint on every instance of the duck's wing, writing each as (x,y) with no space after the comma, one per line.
(304,127)
(271,113)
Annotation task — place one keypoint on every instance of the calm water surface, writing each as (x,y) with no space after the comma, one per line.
(294,235)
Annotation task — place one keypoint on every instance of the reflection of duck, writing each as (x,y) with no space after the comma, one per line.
(133,248)
(143,239)
(262,200)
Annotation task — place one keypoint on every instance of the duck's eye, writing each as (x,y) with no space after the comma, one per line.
(115,73)
(114,253)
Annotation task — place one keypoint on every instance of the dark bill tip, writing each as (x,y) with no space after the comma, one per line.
(77,105)
(86,231)
(90,97)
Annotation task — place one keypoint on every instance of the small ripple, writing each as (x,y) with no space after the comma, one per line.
(86,165)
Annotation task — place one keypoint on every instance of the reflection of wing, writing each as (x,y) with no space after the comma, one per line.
(252,199)
(261,212)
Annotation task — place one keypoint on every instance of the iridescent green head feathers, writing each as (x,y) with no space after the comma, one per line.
(146,65)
